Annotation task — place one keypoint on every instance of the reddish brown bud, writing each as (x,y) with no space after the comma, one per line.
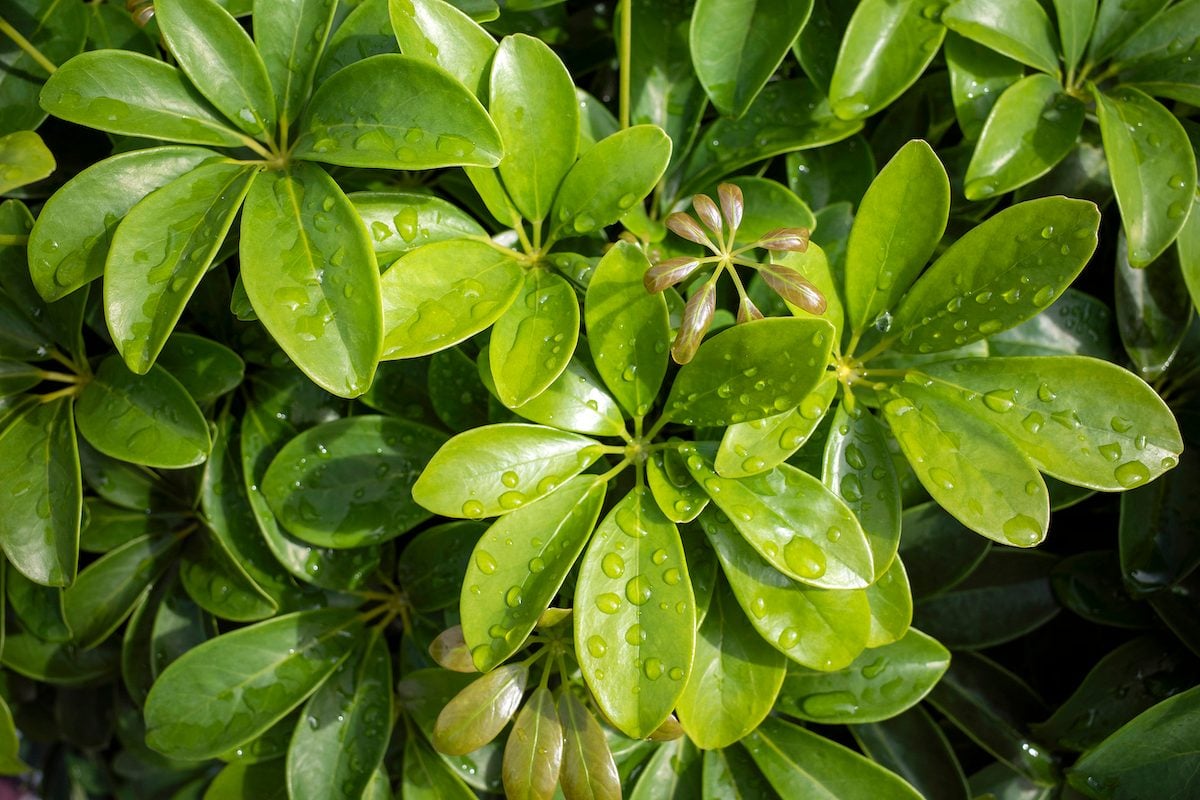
(793,287)
(732,204)
(708,212)
(697,316)
(449,650)
(669,730)
(668,273)
(747,311)
(682,224)
(794,240)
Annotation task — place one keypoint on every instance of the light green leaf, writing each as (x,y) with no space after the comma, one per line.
(1075,21)
(145,419)
(673,772)
(1081,420)
(891,602)
(1021,30)
(736,47)
(1031,128)
(748,448)
(10,744)
(161,250)
(628,329)
(1153,170)
(71,237)
(635,615)
(973,469)
(978,76)
(123,92)
(441,34)
(290,36)
(899,223)
(534,339)
(575,401)
(400,221)
(311,275)
(424,119)
(348,483)
(534,751)
(1117,21)
(219,59)
(518,566)
(479,712)
(717,388)
(241,683)
(818,628)
(678,496)
(440,294)
(886,47)
(495,469)
(997,275)
(735,677)
(24,158)
(39,529)
(344,728)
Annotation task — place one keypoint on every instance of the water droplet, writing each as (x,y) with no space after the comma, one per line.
(612,565)
(486,563)
(676,674)
(804,557)
(608,602)
(596,646)
(1110,451)
(854,457)
(829,704)
(851,488)
(653,668)
(874,669)
(634,635)
(1000,400)
(1023,531)
(513,598)
(472,509)
(942,478)
(510,479)
(511,500)
(1047,231)
(788,638)
(671,577)
(536,565)
(637,590)
(1131,474)
(1120,424)
(1045,393)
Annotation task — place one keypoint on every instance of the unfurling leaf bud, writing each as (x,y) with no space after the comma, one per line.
(747,311)
(793,287)
(682,224)
(450,650)
(668,731)
(697,316)
(708,212)
(668,273)
(793,240)
(732,204)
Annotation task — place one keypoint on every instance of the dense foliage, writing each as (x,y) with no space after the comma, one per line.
(427,399)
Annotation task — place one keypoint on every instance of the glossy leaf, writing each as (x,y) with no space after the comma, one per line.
(978,77)
(1173,30)
(400,221)
(38,608)
(1075,324)
(479,712)
(533,754)
(58,32)
(71,237)
(1153,309)
(734,680)
(25,159)
(161,251)
(679,497)
(576,401)
(440,294)
(427,777)
(627,329)
(219,584)
(1075,21)
(1153,170)
(818,628)
(673,772)
(39,529)
(365,31)
(1156,550)
(59,664)
(344,728)
(206,369)
(914,747)
(735,48)
(311,275)
(1117,21)
(290,37)
(997,275)
(438,32)
(748,448)
(245,780)
(886,47)
(122,92)
(265,670)
(588,769)
(731,773)
(635,615)
(534,339)
(1090,585)
(220,61)
(519,564)
(1021,30)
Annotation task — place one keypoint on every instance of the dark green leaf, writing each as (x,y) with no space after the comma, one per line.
(1076,324)
(59,664)
(978,76)
(38,608)
(1117,21)
(219,584)
(673,772)
(1154,310)
(427,777)
(730,774)
(290,36)
(914,747)
(249,781)
(58,31)
(1156,542)
(839,172)
(1090,585)
(206,368)
(365,31)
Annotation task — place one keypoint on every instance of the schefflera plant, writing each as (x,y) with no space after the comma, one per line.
(252,132)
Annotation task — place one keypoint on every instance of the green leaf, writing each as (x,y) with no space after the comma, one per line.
(588,769)
(344,728)
(1153,170)
(440,294)
(145,419)
(673,772)
(220,60)
(479,712)
(881,683)
(575,401)
(1075,21)
(70,239)
(717,388)
(24,158)
(365,31)
(38,608)
(532,101)
(1154,310)
(802,528)
(401,221)
(533,754)
(290,37)
(1021,30)
(890,598)
(122,92)
(894,235)
(914,747)
(1081,420)
(437,32)
(534,339)
(730,773)
(818,628)
(311,275)
(495,469)
(161,251)
(969,466)
(348,483)
(433,563)
(427,777)
(424,119)
(518,566)
(628,329)
(17,376)
(1090,584)
(10,744)
(978,76)
(635,616)
(1174,30)
(1031,128)
(736,47)
(39,529)
(207,369)
(796,760)
(245,681)
(1076,324)
(241,780)
(58,31)
(998,275)
(59,664)
(1156,546)
(219,585)
(1118,21)
(678,496)
(734,680)
(611,178)
(748,448)
(886,47)
(836,173)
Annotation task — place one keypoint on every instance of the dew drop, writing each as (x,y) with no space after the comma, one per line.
(510,479)
(1000,400)
(472,509)
(1131,474)
(486,563)
(1023,531)
(612,565)
(804,558)
(596,646)
(608,602)
(637,590)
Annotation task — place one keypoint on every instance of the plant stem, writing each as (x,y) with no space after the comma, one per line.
(626,47)
(28,46)
(13,239)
